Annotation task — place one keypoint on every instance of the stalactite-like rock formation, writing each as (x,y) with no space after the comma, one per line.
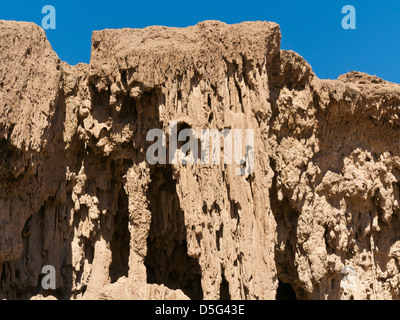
(77,192)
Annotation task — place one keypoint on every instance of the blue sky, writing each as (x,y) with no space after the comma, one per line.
(311,28)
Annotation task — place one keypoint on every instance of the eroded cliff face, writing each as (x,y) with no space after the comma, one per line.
(77,192)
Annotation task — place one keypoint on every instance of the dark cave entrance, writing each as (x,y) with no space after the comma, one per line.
(285,291)
(286,218)
(120,240)
(224,289)
(167,261)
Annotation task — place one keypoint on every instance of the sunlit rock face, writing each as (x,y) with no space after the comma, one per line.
(317,217)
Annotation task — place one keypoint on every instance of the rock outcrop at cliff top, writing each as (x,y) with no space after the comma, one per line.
(318,217)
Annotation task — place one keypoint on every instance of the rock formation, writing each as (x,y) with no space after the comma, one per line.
(78,194)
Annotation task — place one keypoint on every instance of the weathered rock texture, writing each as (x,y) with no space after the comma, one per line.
(77,192)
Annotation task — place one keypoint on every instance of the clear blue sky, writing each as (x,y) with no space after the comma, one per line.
(311,28)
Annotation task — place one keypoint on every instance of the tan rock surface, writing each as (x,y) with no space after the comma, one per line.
(78,193)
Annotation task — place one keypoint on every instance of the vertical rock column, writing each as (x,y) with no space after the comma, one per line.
(210,76)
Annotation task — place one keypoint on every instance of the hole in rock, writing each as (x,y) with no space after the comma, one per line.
(285,291)
(167,261)
(219,235)
(210,117)
(235,208)
(194,138)
(120,240)
(182,126)
(224,289)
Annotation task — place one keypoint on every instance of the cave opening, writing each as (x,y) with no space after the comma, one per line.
(120,240)
(285,291)
(224,289)
(286,217)
(167,261)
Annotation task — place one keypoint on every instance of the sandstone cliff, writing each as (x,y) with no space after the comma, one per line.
(77,192)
